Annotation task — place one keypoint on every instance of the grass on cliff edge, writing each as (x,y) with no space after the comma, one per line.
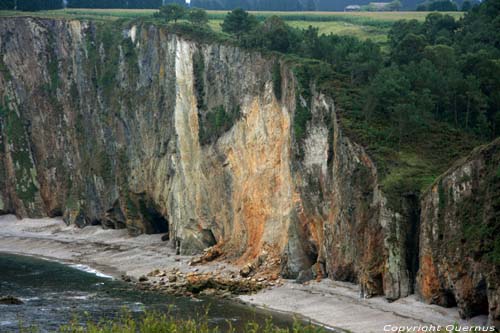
(409,168)
(158,322)
(363,25)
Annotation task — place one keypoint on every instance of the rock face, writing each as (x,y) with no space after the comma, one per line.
(459,240)
(135,127)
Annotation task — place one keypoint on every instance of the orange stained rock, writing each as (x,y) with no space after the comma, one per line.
(261,177)
(429,283)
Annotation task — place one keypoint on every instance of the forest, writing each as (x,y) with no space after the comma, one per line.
(31,5)
(442,68)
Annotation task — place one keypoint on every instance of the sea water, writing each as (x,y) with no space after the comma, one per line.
(54,293)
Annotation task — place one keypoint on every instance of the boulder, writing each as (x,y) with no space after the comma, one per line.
(246,270)
(304,276)
(10,300)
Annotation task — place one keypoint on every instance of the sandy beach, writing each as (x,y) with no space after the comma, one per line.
(114,253)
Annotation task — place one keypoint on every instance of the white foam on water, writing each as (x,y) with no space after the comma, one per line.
(90,270)
(81,297)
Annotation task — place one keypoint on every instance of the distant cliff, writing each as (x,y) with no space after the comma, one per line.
(131,126)
(460,236)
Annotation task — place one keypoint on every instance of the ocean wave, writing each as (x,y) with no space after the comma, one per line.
(90,270)
(27,299)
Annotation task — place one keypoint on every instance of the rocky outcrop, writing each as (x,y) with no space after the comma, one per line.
(348,230)
(459,239)
(10,300)
(131,126)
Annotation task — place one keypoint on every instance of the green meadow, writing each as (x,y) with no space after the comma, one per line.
(364,25)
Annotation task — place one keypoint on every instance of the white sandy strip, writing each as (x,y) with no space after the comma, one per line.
(338,304)
(113,252)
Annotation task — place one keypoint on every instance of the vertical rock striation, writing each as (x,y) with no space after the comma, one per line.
(135,127)
(459,240)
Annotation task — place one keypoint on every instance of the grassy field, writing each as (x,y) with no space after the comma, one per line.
(364,25)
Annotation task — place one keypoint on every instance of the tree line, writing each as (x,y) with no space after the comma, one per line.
(174,12)
(321,5)
(256,5)
(441,69)
(31,5)
(36,5)
(262,5)
(131,4)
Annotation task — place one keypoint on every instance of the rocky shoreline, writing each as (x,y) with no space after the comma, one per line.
(225,283)
(219,284)
(148,263)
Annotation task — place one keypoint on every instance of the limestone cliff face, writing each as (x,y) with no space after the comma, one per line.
(139,128)
(350,232)
(459,240)
(135,127)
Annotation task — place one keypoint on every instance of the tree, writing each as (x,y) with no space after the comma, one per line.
(443,6)
(35,5)
(441,56)
(400,29)
(197,16)
(466,6)
(153,4)
(409,49)
(422,7)
(310,43)
(439,25)
(179,2)
(275,34)
(207,4)
(476,100)
(438,5)
(238,22)
(364,61)
(172,12)
(395,5)
(7,4)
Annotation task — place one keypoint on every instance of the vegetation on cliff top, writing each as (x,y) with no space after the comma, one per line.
(417,106)
(363,25)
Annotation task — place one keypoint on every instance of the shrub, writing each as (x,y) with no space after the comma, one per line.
(158,322)
(197,16)
(172,12)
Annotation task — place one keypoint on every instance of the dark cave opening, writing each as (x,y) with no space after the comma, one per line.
(154,221)
(449,300)
(480,305)
(412,238)
(56,212)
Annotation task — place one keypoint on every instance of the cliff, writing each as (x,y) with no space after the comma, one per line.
(459,240)
(132,126)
